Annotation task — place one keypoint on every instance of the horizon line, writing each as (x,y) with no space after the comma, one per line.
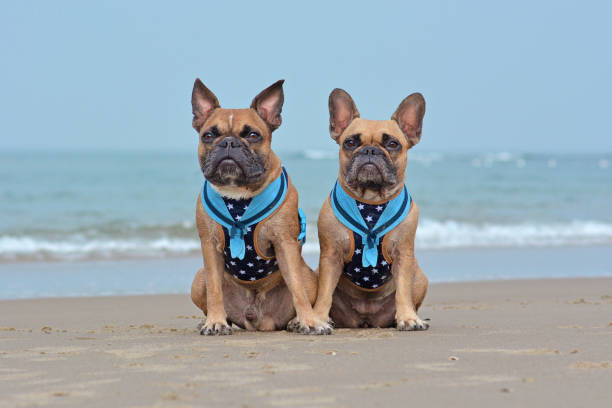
(21,150)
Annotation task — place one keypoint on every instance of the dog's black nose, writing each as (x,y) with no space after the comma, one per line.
(230,142)
(370,150)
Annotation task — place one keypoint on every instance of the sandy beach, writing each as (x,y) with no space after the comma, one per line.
(502,343)
(115,116)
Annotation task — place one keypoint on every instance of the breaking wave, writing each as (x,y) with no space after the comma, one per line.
(181,240)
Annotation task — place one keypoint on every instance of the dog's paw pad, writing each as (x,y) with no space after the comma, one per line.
(297,326)
(293,325)
(200,325)
(412,325)
(216,329)
(325,329)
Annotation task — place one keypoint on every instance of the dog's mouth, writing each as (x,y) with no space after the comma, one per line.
(370,167)
(238,168)
(370,173)
(229,167)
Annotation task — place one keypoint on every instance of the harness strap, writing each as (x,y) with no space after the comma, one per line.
(237,229)
(370,236)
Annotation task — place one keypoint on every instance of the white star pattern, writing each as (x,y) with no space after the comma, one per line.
(252,266)
(373,276)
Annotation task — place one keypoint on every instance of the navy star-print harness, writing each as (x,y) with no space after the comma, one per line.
(374,276)
(253,266)
(368,266)
(239,219)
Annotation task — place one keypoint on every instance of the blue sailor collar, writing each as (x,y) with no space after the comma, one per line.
(260,207)
(346,210)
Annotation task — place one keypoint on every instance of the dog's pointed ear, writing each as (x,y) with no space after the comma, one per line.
(342,111)
(203,103)
(269,104)
(409,117)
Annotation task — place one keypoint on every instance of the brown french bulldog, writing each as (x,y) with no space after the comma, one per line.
(262,282)
(372,172)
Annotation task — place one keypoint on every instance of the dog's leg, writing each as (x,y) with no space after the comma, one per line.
(198,294)
(235,299)
(198,290)
(410,292)
(216,318)
(419,287)
(302,287)
(330,270)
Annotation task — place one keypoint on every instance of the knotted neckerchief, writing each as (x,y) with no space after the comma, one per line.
(262,205)
(346,210)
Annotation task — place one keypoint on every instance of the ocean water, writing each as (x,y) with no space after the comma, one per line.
(84,206)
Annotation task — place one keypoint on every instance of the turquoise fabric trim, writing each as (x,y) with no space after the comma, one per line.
(302,236)
(345,209)
(260,207)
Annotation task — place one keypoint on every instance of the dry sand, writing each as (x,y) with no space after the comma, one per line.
(513,343)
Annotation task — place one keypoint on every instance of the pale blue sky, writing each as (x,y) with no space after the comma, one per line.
(497,76)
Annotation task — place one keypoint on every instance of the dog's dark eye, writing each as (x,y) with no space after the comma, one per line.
(252,137)
(207,137)
(393,145)
(349,143)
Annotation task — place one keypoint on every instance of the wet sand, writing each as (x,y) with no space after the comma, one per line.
(173,275)
(498,343)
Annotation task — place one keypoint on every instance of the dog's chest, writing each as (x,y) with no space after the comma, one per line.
(370,277)
(253,266)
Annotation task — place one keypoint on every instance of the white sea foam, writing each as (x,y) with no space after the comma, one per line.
(27,248)
(431,234)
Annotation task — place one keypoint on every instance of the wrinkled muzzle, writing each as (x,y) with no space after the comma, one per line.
(370,168)
(231,161)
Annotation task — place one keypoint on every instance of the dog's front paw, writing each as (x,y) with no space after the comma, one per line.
(314,326)
(414,324)
(211,328)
